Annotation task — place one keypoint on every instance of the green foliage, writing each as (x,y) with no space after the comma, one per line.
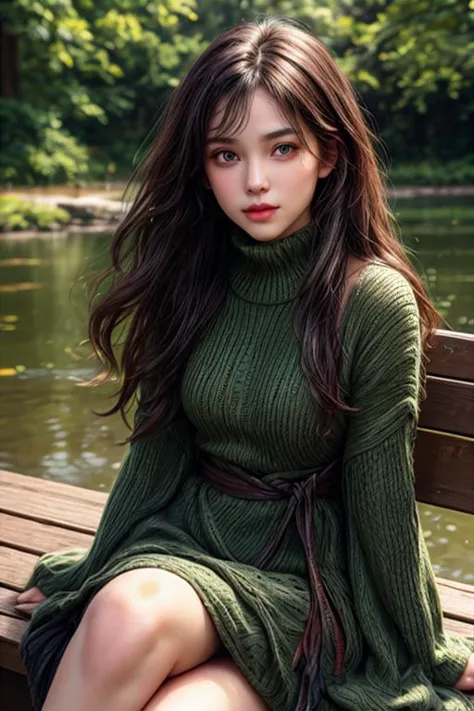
(35,148)
(17,214)
(417,47)
(98,55)
(455,172)
(93,75)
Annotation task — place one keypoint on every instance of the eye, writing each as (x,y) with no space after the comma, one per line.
(286,148)
(226,155)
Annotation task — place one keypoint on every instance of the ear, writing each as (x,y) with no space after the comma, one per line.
(328,163)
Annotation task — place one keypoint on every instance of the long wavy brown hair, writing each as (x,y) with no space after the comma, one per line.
(169,260)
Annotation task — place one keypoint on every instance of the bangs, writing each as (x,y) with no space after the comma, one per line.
(233,110)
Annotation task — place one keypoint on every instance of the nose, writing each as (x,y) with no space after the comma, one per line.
(256,179)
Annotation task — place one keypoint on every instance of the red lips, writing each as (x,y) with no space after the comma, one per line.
(259,207)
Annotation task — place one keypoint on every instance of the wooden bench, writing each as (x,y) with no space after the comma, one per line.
(37,516)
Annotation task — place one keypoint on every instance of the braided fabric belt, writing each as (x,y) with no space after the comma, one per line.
(301,494)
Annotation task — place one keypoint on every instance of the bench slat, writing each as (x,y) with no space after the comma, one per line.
(449,406)
(54,488)
(33,537)
(457,602)
(452,356)
(465,629)
(15,567)
(51,502)
(444,466)
(11,630)
(7,602)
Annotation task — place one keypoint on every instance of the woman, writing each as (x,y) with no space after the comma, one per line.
(261,548)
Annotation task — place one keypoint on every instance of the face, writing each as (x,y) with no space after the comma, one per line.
(264,164)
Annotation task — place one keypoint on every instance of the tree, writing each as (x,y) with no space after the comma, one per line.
(93,74)
(85,64)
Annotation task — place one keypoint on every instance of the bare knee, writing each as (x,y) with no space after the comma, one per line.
(131,617)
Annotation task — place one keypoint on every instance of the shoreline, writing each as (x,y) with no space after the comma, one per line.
(106,213)
(62,231)
(412,191)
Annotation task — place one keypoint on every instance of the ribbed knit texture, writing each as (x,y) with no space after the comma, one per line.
(247,404)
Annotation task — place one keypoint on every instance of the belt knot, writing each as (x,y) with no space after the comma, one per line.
(302,494)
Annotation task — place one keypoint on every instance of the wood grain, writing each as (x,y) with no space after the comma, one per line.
(444,469)
(33,537)
(50,502)
(449,406)
(453,355)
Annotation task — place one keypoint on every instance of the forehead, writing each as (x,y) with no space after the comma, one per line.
(258,110)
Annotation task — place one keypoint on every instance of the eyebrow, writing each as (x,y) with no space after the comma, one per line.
(266,137)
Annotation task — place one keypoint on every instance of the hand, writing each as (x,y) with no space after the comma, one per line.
(466,680)
(29,600)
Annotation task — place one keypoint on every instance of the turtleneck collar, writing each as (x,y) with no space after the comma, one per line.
(271,272)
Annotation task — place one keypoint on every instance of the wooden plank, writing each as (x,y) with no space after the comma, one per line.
(465,629)
(28,484)
(457,601)
(444,470)
(452,356)
(449,406)
(51,502)
(15,567)
(7,603)
(457,585)
(34,537)
(11,631)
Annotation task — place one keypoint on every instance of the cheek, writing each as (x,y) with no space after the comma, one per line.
(222,184)
(303,175)
(309,164)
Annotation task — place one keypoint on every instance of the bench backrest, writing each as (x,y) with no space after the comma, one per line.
(444,448)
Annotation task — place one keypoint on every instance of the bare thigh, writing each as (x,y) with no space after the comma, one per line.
(157,604)
(217,685)
(141,628)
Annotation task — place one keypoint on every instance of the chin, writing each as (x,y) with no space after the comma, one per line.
(265,233)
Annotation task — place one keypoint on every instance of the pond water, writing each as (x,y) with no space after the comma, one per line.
(46,419)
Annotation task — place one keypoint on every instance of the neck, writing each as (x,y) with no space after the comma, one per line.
(271,272)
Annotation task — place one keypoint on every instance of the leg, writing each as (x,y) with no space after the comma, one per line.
(140,628)
(217,685)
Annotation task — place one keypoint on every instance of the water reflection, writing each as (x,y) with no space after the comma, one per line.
(48,430)
(47,425)
(448,536)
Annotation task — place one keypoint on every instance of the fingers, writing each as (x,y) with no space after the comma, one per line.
(466,681)
(28,600)
(31,595)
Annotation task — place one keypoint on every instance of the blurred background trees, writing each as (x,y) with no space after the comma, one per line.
(82,81)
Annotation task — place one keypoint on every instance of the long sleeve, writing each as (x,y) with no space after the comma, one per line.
(384,533)
(151,473)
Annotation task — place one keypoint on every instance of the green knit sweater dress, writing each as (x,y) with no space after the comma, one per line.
(247,404)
